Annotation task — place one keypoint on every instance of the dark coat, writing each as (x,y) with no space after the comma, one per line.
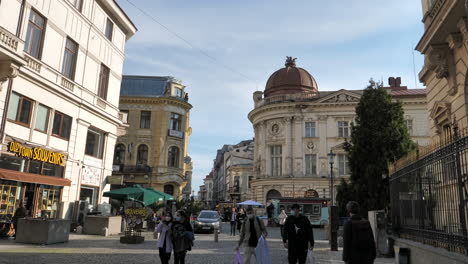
(358,241)
(240,218)
(302,237)
(182,236)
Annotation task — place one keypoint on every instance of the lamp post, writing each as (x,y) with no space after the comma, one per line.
(333,223)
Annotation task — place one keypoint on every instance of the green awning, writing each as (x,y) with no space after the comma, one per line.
(137,193)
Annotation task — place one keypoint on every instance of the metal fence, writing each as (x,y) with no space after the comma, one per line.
(429,194)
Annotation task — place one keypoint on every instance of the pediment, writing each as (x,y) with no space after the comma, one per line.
(339,148)
(341,96)
(439,109)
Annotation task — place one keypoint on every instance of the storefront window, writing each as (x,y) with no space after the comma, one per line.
(89,194)
(9,199)
(35,167)
(12,163)
(49,201)
(31,166)
(50,169)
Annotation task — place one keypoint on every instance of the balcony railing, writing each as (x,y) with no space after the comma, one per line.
(134,169)
(296,97)
(10,41)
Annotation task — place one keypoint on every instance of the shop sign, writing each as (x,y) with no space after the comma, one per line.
(115,180)
(134,218)
(37,154)
(91,176)
(296,194)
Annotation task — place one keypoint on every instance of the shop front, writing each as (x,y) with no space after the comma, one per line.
(33,177)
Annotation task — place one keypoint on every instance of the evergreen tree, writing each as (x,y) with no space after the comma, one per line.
(378,137)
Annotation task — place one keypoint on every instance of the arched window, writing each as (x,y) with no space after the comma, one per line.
(169,189)
(173,157)
(142,155)
(119,154)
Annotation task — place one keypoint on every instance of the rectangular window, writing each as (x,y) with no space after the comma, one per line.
(178,92)
(20,109)
(94,143)
(310,129)
(78,4)
(109,29)
(34,35)
(343,129)
(103,82)
(69,59)
(311,164)
(42,118)
(343,166)
(176,121)
(250,180)
(409,126)
(145,119)
(276,160)
(61,125)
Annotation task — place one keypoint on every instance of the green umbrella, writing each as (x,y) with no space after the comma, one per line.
(167,197)
(137,193)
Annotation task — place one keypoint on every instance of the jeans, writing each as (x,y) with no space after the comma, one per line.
(233,228)
(179,257)
(165,257)
(249,251)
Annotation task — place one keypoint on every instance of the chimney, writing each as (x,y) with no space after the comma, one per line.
(395,84)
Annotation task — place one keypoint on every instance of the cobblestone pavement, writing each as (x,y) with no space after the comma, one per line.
(96,249)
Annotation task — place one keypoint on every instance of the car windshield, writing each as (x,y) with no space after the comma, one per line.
(212,215)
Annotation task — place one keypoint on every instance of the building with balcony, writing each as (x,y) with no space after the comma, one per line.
(153,152)
(296,126)
(60,72)
(238,162)
(208,183)
(445,70)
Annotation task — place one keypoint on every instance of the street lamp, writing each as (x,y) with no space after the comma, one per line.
(331,160)
(333,216)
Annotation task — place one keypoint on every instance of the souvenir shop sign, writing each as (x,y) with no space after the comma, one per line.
(134,217)
(36,154)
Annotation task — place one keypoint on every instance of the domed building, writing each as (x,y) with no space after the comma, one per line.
(296,125)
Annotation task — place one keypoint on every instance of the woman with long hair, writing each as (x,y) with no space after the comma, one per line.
(165,238)
(182,236)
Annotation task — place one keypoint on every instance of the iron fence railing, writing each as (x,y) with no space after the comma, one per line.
(429,195)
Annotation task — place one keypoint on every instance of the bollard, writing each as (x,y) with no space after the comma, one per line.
(215,234)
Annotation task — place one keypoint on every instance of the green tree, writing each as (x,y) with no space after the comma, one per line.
(378,137)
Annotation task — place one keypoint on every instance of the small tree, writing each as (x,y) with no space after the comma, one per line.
(378,137)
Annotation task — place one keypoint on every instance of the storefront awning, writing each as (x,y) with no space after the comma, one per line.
(32,178)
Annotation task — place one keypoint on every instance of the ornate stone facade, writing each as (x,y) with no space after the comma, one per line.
(293,138)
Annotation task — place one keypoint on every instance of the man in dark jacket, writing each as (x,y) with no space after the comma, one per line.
(298,236)
(358,240)
(19,213)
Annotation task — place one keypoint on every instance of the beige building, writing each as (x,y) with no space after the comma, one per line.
(238,165)
(153,152)
(60,72)
(444,45)
(296,126)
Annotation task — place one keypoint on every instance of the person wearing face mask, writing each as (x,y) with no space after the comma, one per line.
(298,236)
(251,230)
(165,239)
(182,237)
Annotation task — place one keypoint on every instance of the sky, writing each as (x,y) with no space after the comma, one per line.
(230,48)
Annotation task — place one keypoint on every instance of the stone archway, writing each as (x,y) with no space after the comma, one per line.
(273,194)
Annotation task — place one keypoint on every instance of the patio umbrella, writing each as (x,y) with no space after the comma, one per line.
(136,193)
(167,197)
(250,202)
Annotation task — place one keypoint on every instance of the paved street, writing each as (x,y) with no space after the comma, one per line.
(96,249)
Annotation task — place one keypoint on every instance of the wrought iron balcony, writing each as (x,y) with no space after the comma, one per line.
(132,169)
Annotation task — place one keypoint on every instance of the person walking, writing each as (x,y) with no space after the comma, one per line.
(240,218)
(233,221)
(165,238)
(20,212)
(298,236)
(358,239)
(282,218)
(251,230)
(182,237)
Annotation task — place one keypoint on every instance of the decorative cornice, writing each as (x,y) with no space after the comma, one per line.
(155,100)
(440,61)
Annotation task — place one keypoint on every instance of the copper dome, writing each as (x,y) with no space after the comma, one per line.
(290,79)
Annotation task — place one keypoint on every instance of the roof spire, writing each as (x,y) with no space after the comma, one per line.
(290,61)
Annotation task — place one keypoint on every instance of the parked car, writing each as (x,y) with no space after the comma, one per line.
(207,221)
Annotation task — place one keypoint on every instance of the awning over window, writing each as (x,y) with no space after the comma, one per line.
(32,178)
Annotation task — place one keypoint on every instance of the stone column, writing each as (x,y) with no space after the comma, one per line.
(264,161)
(288,171)
(298,150)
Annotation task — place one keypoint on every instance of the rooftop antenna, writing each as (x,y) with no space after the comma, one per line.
(414,71)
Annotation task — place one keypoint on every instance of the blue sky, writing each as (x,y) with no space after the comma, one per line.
(341,43)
